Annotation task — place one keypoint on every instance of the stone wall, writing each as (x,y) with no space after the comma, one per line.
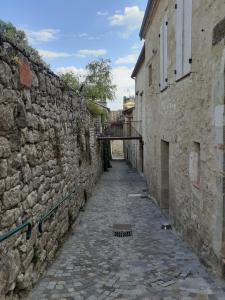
(136,147)
(47,149)
(186,118)
(117,149)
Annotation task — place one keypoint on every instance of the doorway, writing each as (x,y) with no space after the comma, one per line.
(165,193)
(117,149)
(141,156)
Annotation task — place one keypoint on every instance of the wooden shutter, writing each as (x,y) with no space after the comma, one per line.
(165,53)
(162,57)
(187,42)
(179,38)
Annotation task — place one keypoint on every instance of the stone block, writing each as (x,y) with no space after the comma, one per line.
(3,168)
(25,192)
(32,199)
(4,148)
(35,82)
(28,259)
(26,174)
(36,182)
(7,119)
(12,181)
(42,82)
(32,121)
(2,186)
(20,115)
(12,197)
(13,266)
(5,73)
(37,171)
(31,154)
(25,74)
(3,278)
(24,281)
(9,217)
(16,161)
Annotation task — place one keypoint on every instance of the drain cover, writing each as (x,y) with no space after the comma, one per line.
(122,230)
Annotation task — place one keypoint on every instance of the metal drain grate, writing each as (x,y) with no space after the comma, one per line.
(122,230)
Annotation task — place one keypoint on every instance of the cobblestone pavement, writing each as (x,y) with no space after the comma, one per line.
(153,264)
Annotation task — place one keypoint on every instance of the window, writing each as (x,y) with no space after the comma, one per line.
(150,75)
(163,55)
(183,38)
(194,165)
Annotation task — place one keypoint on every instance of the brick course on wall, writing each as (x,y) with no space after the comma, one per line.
(47,149)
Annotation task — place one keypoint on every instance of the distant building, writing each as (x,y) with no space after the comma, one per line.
(117,149)
(128,102)
(116,115)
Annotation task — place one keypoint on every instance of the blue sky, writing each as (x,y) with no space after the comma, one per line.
(71,33)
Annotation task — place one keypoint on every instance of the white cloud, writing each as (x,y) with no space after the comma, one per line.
(43,35)
(53,54)
(102,13)
(136,47)
(131,20)
(80,72)
(93,38)
(125,85)
(91,52)
(126,60)
(82,35)
(88,37)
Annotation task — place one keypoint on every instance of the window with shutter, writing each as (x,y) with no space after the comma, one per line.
(163,55)
(183,37)
(179,39)
(187,37)
(150,75)
(161,58)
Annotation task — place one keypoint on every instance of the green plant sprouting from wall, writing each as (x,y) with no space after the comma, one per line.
(97,110)
(19,39)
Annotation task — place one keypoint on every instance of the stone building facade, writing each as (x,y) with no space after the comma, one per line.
(136,155)
(181,73)
(128,145)
(48,150)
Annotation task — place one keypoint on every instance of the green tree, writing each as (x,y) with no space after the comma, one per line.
(98,83)
(70,80)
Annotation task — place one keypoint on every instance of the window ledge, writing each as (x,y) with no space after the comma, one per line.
(164,89)
(196,184)
(184,77)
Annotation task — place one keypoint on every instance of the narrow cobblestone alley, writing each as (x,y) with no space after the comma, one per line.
(152,264)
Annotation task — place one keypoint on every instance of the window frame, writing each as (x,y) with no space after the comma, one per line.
(184,12)
(164,54)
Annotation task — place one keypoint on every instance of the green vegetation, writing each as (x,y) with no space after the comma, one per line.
(99,81)
(97,110)
(19,39)
(70,80)
(96,86)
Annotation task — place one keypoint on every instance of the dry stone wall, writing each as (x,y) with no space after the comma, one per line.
(47,149)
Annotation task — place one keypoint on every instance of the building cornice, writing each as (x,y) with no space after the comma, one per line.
(149,14)
(139,62)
